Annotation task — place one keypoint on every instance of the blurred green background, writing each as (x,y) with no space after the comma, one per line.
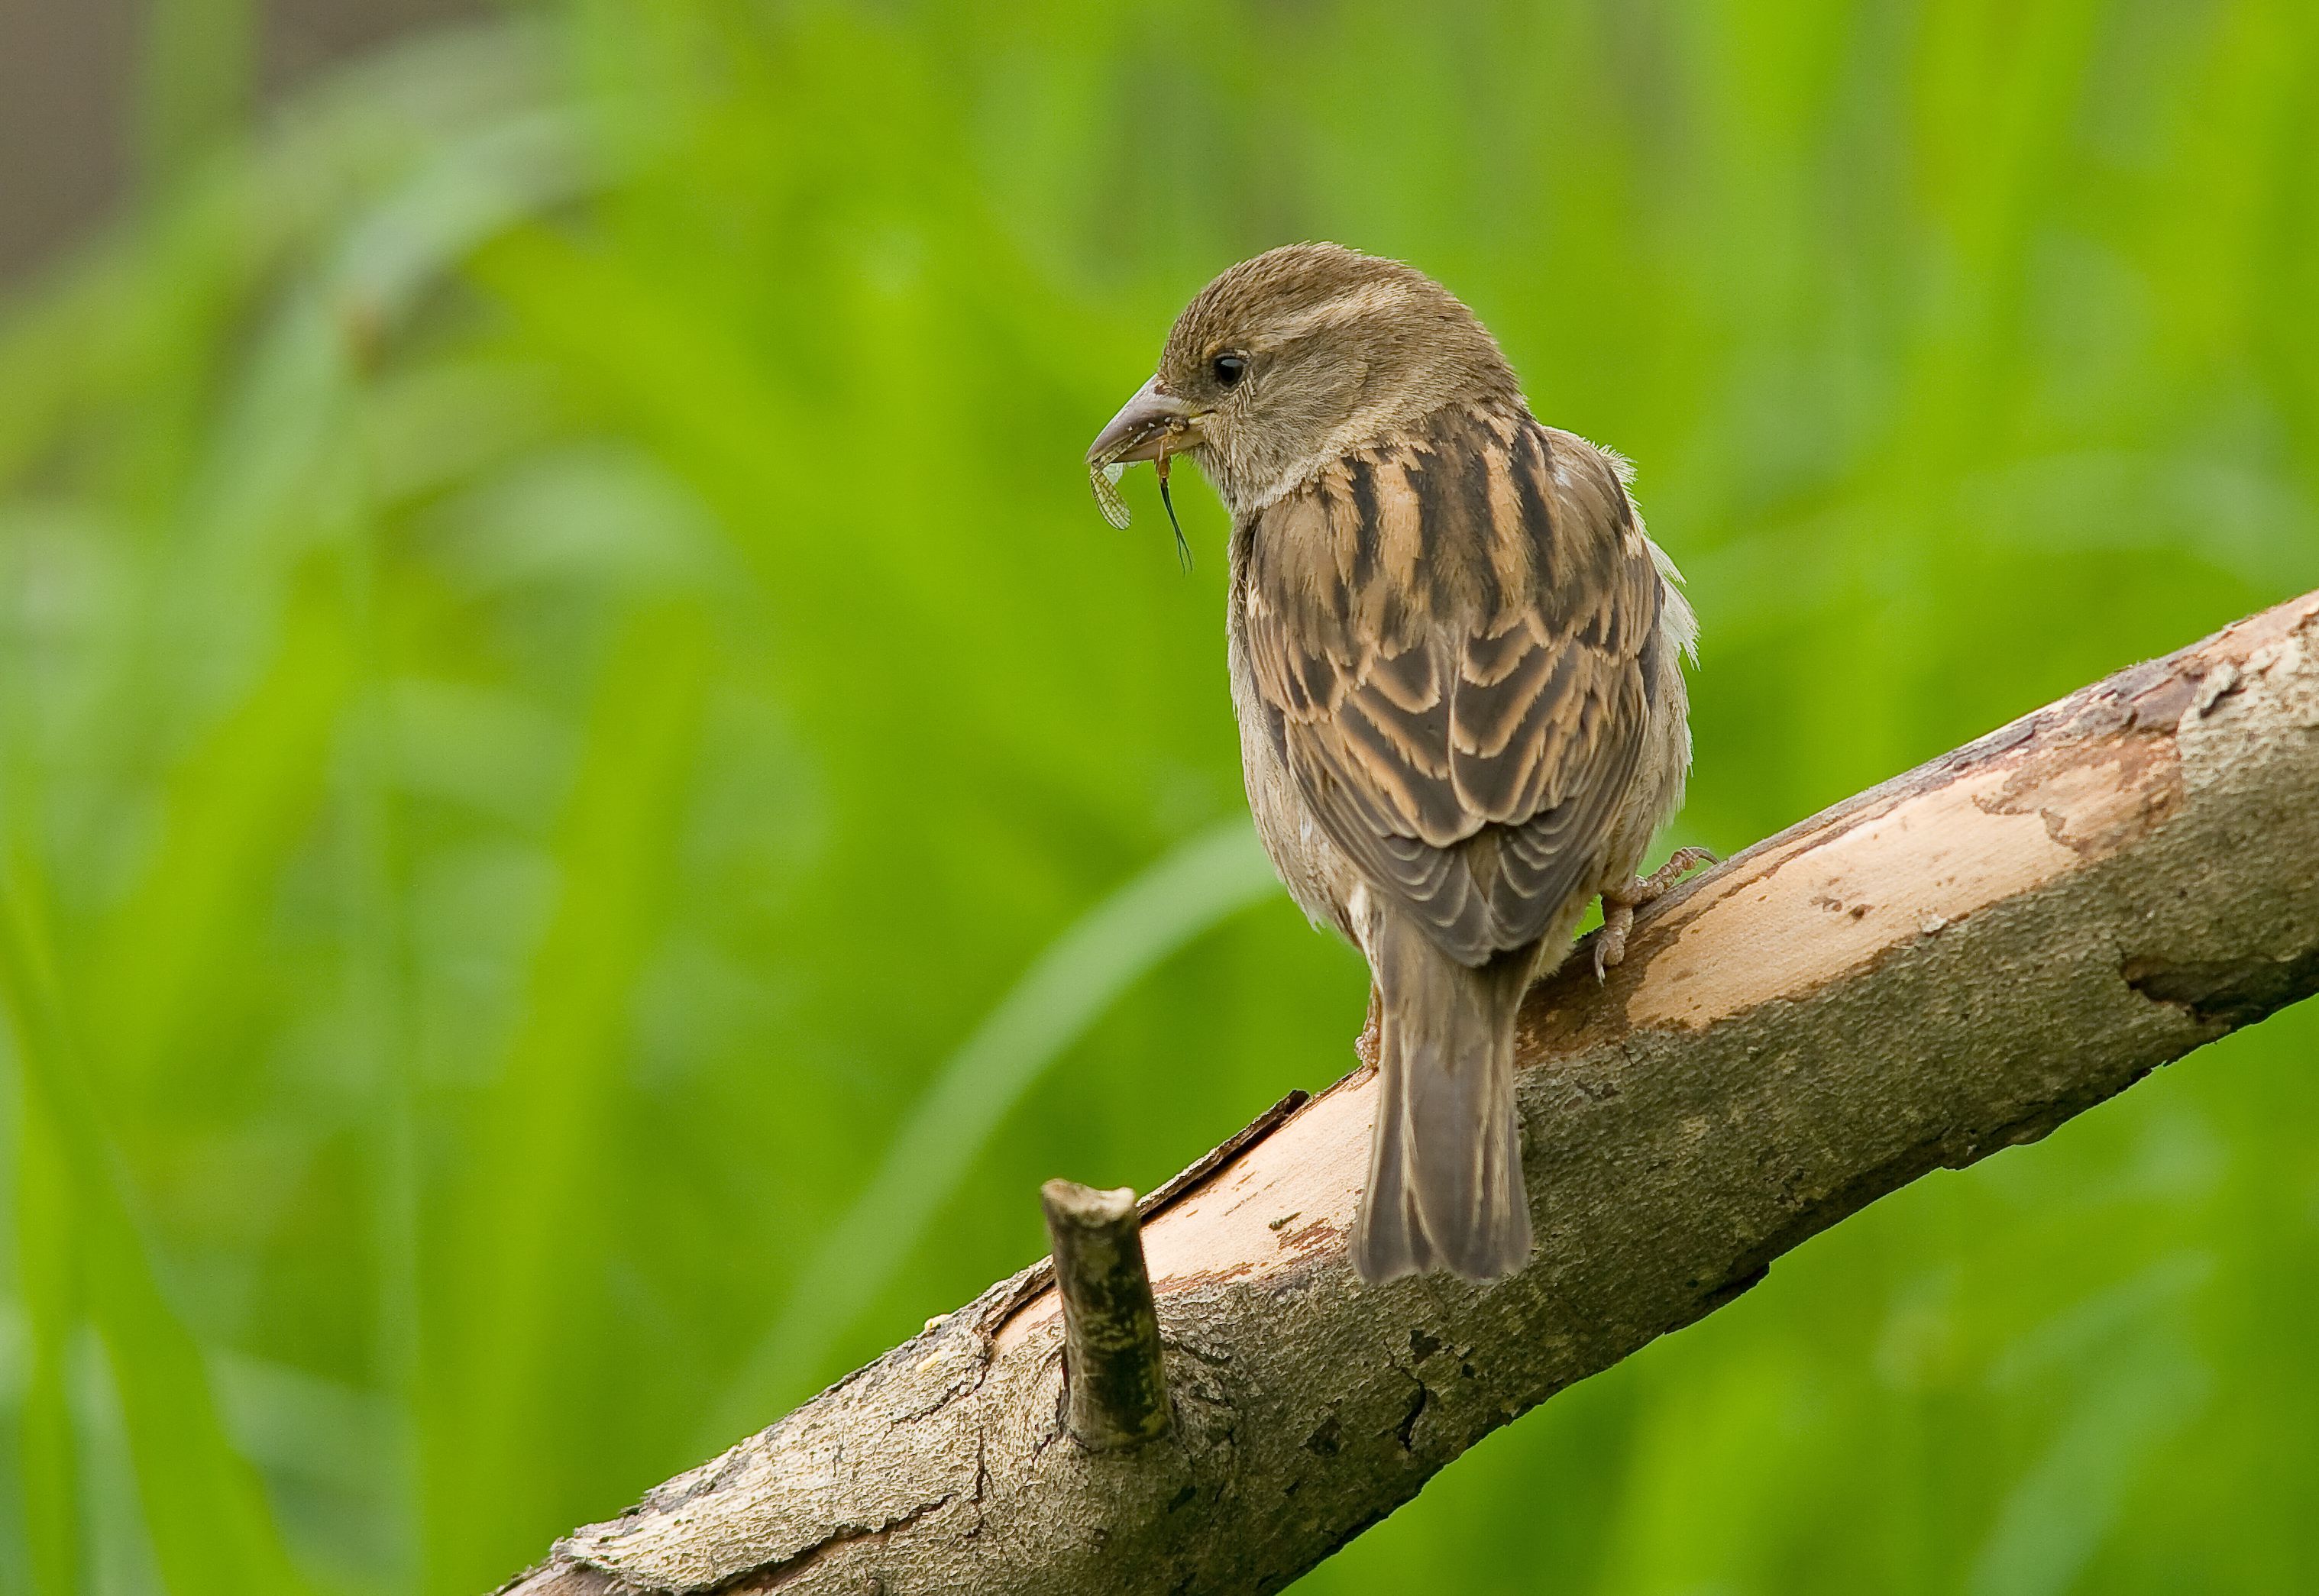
(587,804)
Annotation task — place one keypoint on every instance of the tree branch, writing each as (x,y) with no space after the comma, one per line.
(1950,964)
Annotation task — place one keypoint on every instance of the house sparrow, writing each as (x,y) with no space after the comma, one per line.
(1453,657)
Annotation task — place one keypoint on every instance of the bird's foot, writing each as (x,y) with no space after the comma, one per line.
(1610,942)
(1680,863)
(1618,905)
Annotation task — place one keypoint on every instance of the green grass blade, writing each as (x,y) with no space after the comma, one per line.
(48,1281)
(211,1529)
(236,807)
(540,1130)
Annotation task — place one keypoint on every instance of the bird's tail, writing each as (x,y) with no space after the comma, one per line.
(1444,1185)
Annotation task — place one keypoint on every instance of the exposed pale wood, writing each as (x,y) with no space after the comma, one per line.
(1951,963)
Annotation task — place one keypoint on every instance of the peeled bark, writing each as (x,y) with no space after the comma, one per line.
(1951,963)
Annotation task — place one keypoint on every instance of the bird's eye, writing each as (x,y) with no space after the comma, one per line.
(1228,369)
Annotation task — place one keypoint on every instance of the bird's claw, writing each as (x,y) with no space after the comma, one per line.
(1680,863)
(1618,906)
(1610,942)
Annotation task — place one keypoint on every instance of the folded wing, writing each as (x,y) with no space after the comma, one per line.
(1454,638)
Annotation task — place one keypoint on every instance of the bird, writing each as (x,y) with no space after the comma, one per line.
(1456,659)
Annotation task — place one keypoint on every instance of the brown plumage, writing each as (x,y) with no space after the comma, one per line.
(1455,659)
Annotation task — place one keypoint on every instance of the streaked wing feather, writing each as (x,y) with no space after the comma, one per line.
(1451,635)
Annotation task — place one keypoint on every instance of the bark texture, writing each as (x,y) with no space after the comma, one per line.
(1115,1366)
(1950,964)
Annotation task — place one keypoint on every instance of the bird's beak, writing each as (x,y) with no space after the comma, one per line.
(1153,424)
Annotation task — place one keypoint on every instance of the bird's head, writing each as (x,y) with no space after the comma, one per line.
(1297,357)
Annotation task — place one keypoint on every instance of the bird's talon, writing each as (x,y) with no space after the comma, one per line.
(1610,942)
(1680,863)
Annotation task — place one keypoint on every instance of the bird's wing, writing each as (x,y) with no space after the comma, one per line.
(1455,639)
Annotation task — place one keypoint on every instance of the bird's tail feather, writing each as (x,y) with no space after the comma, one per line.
(1444,1188)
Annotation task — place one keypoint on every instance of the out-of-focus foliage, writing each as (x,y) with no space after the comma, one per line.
(588,805)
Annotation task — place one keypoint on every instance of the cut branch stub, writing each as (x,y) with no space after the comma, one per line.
(1112,1360)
